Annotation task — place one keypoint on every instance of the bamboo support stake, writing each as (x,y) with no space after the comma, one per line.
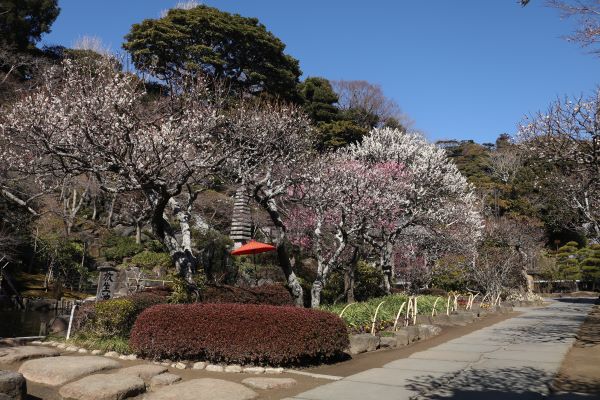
(448,306)
(345,308)
(398,315)
(408,310)
(484,297)
(415,310)
(433,312)
(375,318)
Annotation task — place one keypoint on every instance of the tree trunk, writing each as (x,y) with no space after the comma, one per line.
(315,293)
(138,232)
(293,283)
(385,257)
(111,210)
(95,209)
(350,277)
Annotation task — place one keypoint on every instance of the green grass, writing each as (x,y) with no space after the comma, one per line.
(90,342)
(359,316)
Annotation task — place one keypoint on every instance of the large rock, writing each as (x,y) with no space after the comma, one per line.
(103,387)
(401,336)
(60,370)
(163,380)
(363,342)
(427,331)
(9,355)
(413,333)
(269,383)
(144,371)
(13,385)
(203,389)
(388,342)
(59,326)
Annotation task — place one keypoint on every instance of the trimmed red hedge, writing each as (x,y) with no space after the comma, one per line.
(239,333)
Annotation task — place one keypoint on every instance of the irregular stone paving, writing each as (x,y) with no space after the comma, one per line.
(163,380)
(513,359)
(203,389)
(144,371)
(103,387)
(9,355)
(269,383)
(60,370)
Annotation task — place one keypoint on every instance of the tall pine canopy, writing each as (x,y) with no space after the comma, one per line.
(22,22)
(226,46)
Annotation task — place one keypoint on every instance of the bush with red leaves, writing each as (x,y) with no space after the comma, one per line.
(275,295)
(239,333)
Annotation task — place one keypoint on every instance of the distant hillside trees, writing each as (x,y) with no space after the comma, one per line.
(565,141)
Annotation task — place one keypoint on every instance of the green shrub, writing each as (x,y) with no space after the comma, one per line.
(150,260)
(114,317)
(90,341)
(116,248)
(367,284)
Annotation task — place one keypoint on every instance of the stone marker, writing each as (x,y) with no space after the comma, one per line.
(112,354)
(60,370)
(363,342)
(103,387)
(9,355)
(96,352)
(82,351)
(180,365)
(72,348)
(269,383)
(161,380)
(144,371)
(13,385)
(107,281)
(203,389)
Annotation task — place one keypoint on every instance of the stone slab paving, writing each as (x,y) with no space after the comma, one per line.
(269,383)
(9,355)
(103,387)
(203,389)
(57,371)
(144,371)
(513,359)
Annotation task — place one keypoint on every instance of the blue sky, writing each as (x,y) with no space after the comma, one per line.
(463,69)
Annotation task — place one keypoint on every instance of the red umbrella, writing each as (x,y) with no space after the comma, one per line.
(252,247)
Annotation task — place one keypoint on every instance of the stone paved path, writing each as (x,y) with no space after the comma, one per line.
(514,359)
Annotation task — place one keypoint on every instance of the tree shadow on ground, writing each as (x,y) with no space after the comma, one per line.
(589,333)
(502,383)
(564,383)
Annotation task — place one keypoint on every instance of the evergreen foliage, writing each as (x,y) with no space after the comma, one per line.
(23,22)
(209,41)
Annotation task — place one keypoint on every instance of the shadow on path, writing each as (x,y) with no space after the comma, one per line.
(502,383)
